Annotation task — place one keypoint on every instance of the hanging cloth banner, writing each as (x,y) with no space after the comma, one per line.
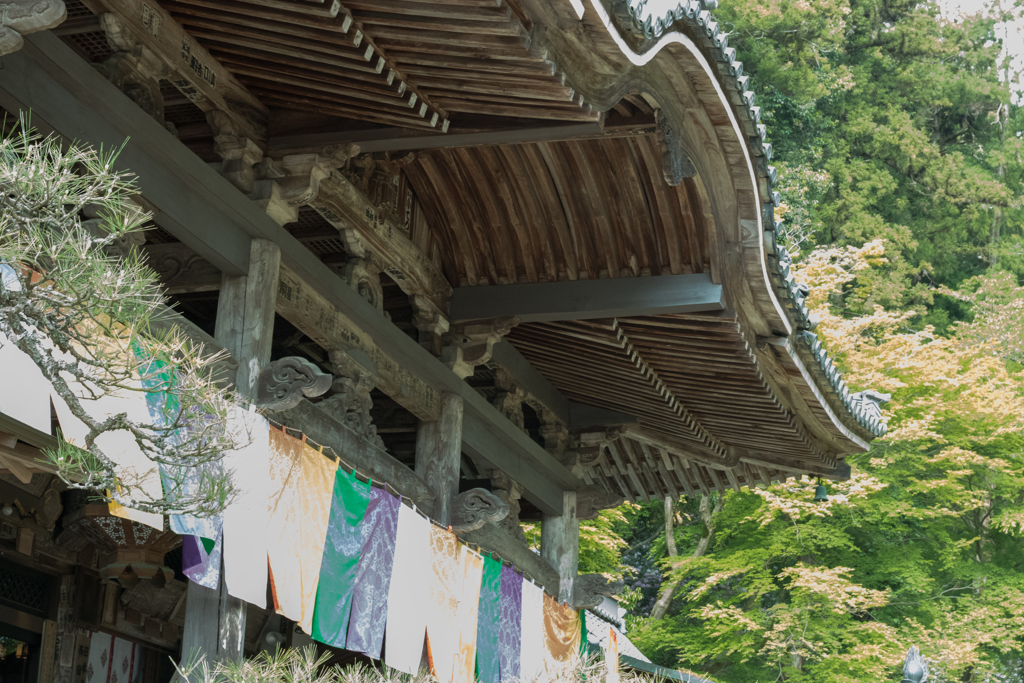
(561,638)
(126,663)
(464,670)
(301,481)
(444,591)
(119,445)
(101,653)
(200,560)
(159,379)
(247,518)
(340,560)
(510,629)
(488,622)
(26,392)
(373,574)
(531,656)
(30,404)
(408,593)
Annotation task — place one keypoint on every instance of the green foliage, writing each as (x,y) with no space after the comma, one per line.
(923,546)
(77,299)
(890,122)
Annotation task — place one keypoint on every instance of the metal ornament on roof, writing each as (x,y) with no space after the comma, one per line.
(915,670)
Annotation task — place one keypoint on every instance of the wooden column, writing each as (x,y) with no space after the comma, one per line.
(439,455)
(560,545)
(215,621)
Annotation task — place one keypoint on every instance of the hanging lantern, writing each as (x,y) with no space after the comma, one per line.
(820,494)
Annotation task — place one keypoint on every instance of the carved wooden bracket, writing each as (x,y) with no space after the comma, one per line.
(592,499)
(350,402)
(471,344)
(133,68)
(129,552)
(675,163)
(588,588)
(472,509)
(509,399)
(282,384)
(509,492)
(431,323)
(241,154)
(554,433)
(21,17)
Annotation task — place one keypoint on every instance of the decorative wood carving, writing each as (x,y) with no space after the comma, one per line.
(182,270)
(132,67)
(588,589)
(472,509)
(675,163)
(363,275)
(471,344)
(128,552)
(21,17)
(431,323)
(510,397)
(554,433)
(350,402)
(330,329)
(240,153)
(509,492)
(590,500)
(283,383)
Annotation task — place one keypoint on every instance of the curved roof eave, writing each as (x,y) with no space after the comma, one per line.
(643,38)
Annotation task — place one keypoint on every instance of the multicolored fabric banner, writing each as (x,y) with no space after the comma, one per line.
(511,627)
(302,482)
(408,593)
(373,575)
(340,560)
(488,622)
(200,560)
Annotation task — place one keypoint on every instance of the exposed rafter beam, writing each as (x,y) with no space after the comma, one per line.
(575,416)
(400,139)
(536,302)
(202,209)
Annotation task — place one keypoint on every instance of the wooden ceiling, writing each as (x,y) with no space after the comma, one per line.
(591,206)
(559,211)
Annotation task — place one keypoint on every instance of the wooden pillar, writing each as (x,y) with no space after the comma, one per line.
(214,620)
(439,455)
(560,545)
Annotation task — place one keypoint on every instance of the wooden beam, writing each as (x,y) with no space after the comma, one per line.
(205,211)
(342,205)
(560,545)
(66,94)
(194,71)
(318,319)
(401,139)
(589,299)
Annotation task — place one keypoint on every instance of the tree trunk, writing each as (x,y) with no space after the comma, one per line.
(708,516)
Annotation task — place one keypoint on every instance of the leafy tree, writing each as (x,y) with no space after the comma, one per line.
(922,546)
(80,304)
(890,121)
